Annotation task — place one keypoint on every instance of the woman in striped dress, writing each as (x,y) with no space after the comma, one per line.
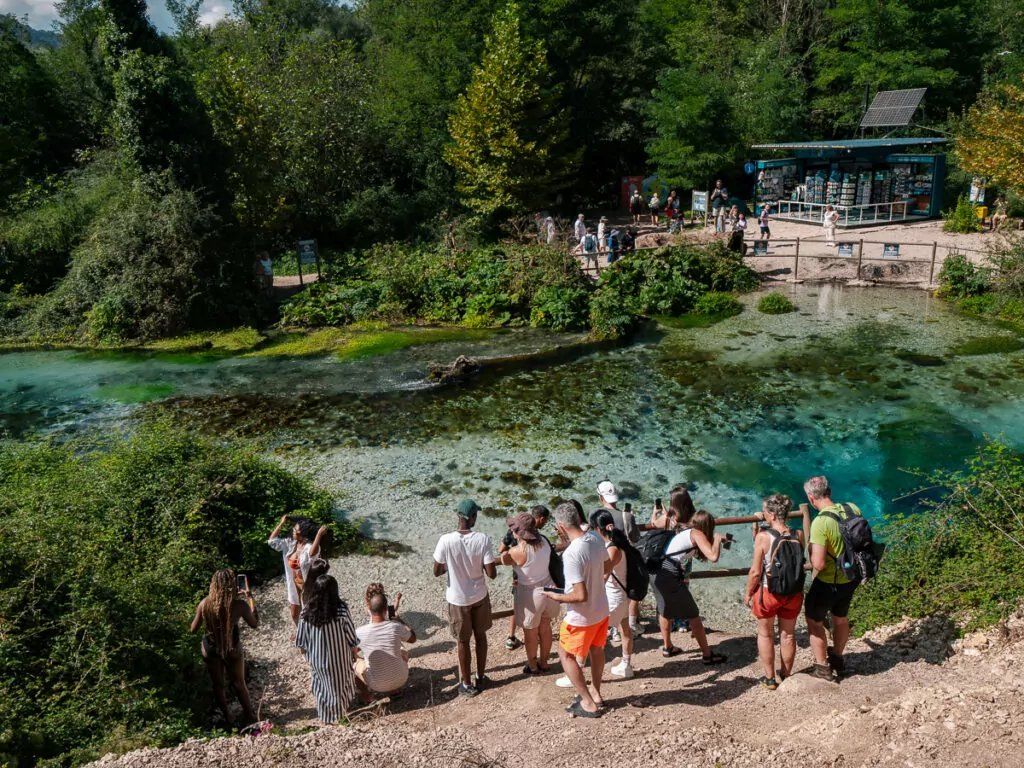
(328,639)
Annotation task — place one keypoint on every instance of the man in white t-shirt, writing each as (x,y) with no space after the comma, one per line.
(384,666)
(468,559)
(585,627)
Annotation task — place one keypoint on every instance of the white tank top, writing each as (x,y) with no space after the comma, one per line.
(534,572)
(616,590)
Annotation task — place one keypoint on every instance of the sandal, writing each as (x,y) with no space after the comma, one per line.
(527,670)
(577,699)
(769,682)
(577,710)
(714,658)
(668,653)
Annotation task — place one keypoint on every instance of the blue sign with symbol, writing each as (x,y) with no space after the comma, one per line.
(749,169)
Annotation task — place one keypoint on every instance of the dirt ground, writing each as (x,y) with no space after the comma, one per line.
(913,698)
(913,268)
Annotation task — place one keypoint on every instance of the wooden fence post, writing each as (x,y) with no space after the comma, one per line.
(860,255)
(931,273)
(796,260)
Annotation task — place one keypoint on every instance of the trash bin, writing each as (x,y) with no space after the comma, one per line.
(981,212)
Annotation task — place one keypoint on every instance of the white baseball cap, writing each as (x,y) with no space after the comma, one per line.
(607,491)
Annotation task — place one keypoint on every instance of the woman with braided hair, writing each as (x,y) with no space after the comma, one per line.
(218,614)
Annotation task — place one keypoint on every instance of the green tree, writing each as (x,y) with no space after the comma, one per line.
(34,128)
(893,44)
(691,111)
(507,136)
(420,56)
(157,119)
(292,111)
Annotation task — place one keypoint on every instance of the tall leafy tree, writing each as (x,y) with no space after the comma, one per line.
(691,111)
(34,127)
(992,143)
(508,136)
(894,44)
(292,112)
(157,119)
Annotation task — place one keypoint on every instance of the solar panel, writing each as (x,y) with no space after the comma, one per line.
(892,108)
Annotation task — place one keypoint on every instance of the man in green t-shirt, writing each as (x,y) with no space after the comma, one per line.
(830,592)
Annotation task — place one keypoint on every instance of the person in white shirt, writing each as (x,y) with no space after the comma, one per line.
(602,239)
(468,560)
(298,551)
(580,228)
(585,627)
(615,542)
(828,223)
(384,663)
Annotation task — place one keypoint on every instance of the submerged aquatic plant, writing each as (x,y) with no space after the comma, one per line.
(775,304)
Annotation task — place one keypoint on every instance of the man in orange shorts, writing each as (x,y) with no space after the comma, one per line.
(585,628)
(775,587)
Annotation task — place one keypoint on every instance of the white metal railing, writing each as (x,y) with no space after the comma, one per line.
(798,210)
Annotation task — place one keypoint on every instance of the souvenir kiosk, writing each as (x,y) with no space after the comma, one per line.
(868,181)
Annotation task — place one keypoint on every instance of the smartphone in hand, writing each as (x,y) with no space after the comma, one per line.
(554,590)
(243,584)
(391,613)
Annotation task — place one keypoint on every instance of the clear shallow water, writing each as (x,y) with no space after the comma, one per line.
(860,384)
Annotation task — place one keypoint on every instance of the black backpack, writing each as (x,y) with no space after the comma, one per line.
(556,569)
(653,549)
(859,561)
(785,570)
(636,574)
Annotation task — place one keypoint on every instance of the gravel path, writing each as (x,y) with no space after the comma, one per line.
(904,704)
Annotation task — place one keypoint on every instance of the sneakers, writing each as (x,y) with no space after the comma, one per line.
(769,682)
(822,672)
(625,671)
(513,643)
(613,635)
(564,682)
(467,690)
(836,662)
(481,682)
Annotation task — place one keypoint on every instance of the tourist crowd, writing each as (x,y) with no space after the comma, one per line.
(598,569)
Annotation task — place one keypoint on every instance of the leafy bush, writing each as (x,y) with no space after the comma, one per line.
(42,237)
(483,287)
(961,219)
(1008,270)
(106,546)
(775,304)
(716,303)
(960,278)
(962,555)
(668,281)
(157,263)
(560,309)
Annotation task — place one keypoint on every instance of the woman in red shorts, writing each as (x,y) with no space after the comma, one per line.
(765,604)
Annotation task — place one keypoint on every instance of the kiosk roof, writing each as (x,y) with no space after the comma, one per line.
(854,144)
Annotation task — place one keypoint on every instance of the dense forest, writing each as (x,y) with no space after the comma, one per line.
(140,172)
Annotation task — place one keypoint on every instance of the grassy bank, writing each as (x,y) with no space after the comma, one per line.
(994,291)
(353,343)
(106,546)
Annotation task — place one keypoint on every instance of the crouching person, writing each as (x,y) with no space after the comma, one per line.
(383,667)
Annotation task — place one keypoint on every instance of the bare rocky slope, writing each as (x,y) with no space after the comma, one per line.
(914,697)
